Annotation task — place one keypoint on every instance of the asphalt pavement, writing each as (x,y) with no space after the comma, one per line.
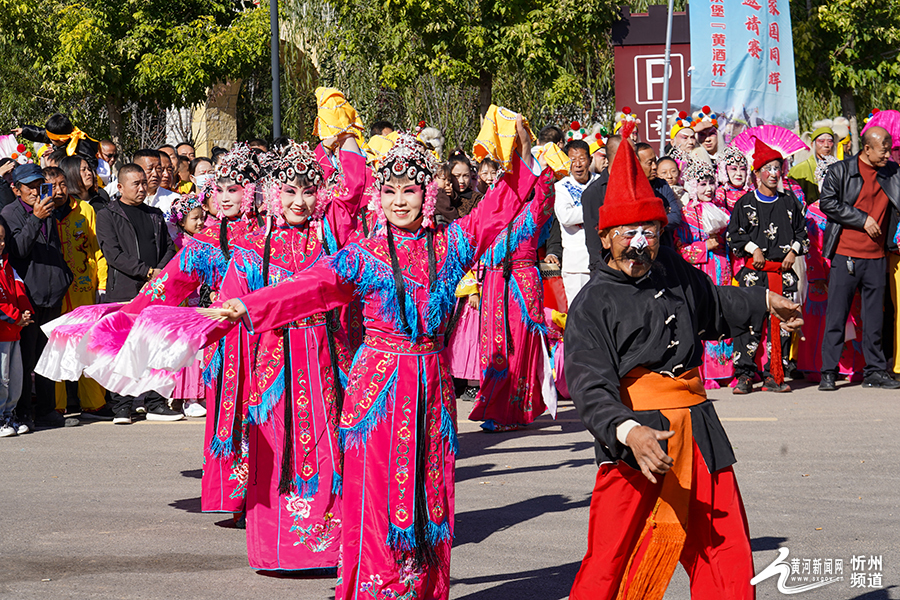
(109,512)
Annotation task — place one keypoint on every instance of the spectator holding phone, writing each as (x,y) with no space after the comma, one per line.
(35,252)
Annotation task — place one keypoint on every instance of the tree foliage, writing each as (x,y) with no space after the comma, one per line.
(160,52)
(850,48)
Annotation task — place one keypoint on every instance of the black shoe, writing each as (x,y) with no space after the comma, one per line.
(793,372)
(123,416)
(164,413)
(880,379)
(104,413)
(470,394)
(51,419)
(827,383)
(744,385)
(769,385)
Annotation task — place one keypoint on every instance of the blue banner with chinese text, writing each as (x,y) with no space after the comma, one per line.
(742,62)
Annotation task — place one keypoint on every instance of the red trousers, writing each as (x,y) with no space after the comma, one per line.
(716,554)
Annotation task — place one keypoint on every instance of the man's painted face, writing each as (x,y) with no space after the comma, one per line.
(633,248)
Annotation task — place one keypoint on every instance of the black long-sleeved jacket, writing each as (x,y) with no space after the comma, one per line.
(840,191)
(118,240)
(657,322)
(35,252)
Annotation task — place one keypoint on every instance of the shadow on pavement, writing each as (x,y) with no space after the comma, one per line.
(551,583)
(876,594)
(487,470)
(193,473)
(476,526)
(191,505)
(761,544)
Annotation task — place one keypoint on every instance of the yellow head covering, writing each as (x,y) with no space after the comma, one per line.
(379,145)
(556,159)
(497,138)
(335,114)
(72,138)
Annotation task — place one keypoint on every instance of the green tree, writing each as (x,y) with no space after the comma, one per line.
(544,42)
(850,48)
(154,52)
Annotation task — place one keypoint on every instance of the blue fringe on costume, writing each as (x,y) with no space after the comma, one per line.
(307,489)
(221,449)
(260,413)
(372,276)
(204,260)
(358,435)
(249,264)
(523,228)
(532,325)
(215,366)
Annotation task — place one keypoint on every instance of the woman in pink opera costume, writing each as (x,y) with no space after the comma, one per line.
(514,359)
(293,490)
(398,425)
(701,241)
(114,354)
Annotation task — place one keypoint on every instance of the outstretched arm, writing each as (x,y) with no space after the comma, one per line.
(504,200)
(317,289)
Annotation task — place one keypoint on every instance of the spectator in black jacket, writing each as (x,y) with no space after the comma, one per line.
(129,233)
(35,252)
(136,245)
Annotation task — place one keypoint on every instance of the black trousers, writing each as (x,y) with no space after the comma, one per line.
(33,342)
(746,344)
(869,278)
(150,400)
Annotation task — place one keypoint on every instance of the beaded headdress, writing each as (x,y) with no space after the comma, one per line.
(407,158)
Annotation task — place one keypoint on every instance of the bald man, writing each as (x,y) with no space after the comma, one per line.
(861,198)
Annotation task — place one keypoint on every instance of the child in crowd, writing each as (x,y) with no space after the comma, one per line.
(15,313)
(190,219)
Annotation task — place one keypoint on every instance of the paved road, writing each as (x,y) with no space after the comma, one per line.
(113,512)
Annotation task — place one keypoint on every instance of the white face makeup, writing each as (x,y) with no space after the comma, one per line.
(638,238)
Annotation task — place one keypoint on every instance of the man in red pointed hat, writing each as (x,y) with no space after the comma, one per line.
(665,491)
(767,232)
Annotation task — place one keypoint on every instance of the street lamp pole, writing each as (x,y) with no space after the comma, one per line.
(664,119)
(276,70)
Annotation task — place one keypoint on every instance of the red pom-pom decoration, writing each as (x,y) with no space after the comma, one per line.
(707,110)
(14,156)
(20,148)
(682,115)
(627,110)
(875,111)
(575,125)
(598,136)
(28,154)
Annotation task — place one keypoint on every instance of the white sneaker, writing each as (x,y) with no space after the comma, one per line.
(23,428)
(194,410)
(7,430)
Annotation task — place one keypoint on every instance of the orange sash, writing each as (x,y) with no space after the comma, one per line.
(656,554)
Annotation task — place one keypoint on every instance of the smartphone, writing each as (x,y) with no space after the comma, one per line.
(46,191)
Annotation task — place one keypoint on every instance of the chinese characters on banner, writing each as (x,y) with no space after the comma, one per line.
(742,62)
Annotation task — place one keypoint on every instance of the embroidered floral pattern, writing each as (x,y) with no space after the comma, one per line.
(317,537)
